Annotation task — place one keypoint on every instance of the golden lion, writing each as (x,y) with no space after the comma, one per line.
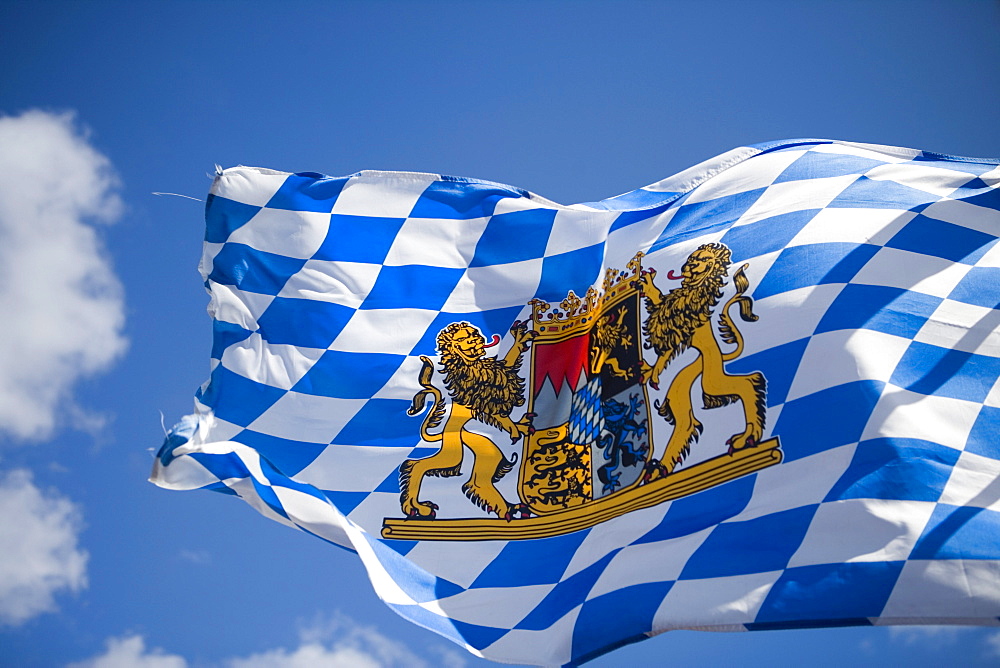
(682,319)
(481,388)
(609,332)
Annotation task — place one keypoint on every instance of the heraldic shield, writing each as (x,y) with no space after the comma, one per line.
(589,407)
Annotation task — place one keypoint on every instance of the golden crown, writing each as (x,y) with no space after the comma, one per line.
(575,312)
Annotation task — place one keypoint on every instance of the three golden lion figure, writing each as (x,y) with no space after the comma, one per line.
(488,389)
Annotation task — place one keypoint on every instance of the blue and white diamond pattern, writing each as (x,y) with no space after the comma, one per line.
(586,419)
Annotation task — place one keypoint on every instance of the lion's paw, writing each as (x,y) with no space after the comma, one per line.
(517,509)
(746,439)
(645,371)
(654,471)
(420,510)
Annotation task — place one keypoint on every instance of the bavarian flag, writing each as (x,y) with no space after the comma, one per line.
(760,394)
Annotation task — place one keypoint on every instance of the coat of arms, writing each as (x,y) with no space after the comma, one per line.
(593,447)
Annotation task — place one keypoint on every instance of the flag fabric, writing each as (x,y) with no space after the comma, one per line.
(760,394)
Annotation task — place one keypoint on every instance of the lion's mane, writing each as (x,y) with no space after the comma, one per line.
(610,332)
(671,323)
(486,385)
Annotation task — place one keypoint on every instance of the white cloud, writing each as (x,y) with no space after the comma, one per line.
(200,557)
(130,652)
(933,637)
(339,642)
(330,642)
(941,638)
(60,301)
(309,655)
(38,548)
(993,644)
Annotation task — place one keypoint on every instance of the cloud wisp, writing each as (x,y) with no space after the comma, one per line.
(330,642)
(337,642)
(993,644)
(62,304)
(130,652)
(39,555)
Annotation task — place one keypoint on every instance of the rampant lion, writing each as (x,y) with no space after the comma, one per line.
(481,388)
(621,439)
(610,332)
(682,319)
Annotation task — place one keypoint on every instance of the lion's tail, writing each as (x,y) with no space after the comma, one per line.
(728,330)
(505,466)
(437,413)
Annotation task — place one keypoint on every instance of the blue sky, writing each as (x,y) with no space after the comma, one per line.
(106,103)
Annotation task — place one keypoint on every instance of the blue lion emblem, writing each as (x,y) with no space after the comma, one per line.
(621,440)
